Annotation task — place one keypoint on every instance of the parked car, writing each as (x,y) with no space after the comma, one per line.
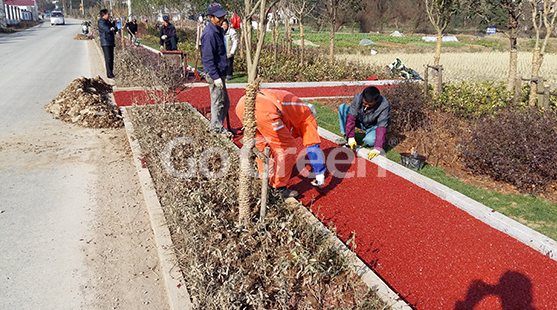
(57,18)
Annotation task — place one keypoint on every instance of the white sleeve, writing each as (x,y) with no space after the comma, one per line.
(234,38)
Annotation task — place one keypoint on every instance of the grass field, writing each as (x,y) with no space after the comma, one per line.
(482,66)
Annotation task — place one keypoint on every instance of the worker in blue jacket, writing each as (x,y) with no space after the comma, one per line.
(215,65)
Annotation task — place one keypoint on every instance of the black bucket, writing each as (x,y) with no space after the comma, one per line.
(415,162)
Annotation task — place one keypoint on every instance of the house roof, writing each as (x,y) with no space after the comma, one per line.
(20,2)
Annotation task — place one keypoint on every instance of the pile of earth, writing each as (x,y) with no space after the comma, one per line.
(80,36)
(86,102)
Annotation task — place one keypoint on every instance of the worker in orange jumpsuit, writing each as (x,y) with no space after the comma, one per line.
(281,118)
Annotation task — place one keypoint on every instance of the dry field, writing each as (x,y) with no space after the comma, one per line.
(490,66)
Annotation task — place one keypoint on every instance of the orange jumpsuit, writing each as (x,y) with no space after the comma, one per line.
(281,117)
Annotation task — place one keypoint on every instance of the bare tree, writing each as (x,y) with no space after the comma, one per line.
(489,11)
(439,13)
(338,13)
(250,126)
(302,8)
(543,19)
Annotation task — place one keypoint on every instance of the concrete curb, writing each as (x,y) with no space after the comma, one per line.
(522,233)
(178,296)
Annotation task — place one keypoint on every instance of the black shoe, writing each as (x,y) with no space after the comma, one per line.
(111,77)
(287,193)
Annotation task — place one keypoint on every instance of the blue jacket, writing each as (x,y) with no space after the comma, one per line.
(213,51)
(107,36)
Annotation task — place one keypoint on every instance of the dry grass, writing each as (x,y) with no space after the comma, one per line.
(483,66)
(283,264)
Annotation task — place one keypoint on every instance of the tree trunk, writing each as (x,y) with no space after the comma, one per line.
(302,42)
(437,61)
(513,60)
(332,47)
(250,127)
(537,59)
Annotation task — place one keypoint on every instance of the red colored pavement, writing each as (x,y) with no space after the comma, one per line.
(432,253)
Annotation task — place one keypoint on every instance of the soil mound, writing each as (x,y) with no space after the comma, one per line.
(85,102)
(80,36)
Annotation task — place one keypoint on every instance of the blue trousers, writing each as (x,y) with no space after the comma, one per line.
(369,139)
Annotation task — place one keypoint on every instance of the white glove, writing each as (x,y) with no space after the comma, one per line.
(352,143)
(218,83)
(319,180)
(164,37)
(162,47)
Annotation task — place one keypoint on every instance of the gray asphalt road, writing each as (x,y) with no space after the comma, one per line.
(44,195)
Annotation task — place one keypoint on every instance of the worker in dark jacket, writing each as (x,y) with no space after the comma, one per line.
(215,64)
(107,30)
(167,35)
(371,112)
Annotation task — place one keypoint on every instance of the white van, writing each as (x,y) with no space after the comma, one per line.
(57,18)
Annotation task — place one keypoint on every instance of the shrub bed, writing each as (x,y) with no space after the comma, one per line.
(516,146)
(283,264)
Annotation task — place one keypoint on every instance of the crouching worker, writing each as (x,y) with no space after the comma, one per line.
(371,112)
(281,117)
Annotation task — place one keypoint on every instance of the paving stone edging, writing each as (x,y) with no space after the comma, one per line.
(521,232)
(178,296)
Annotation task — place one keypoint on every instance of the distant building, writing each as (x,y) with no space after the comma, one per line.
(26,10)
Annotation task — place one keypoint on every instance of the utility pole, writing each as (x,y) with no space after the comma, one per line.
(81,8)
(129,9)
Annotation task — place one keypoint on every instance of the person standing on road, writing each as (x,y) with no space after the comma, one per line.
(201,24)
(107,31)
(167,35)
(231,39)
(282,117)
(371,112)
(215,64)
(131,27)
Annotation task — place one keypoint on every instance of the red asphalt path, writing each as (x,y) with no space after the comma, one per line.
(435,255)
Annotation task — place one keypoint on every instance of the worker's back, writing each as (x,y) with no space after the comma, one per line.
(273,105)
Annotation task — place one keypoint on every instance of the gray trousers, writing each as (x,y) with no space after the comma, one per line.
(220,103)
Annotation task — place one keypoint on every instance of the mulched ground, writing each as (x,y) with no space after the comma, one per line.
(432,253)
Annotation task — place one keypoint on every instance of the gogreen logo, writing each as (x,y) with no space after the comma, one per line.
(194,165)
(340,162)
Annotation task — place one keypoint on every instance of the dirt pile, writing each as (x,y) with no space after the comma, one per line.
(85,102)
(80,36)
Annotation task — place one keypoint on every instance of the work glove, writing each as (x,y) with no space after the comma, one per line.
(352,143)
(164,37)
(218,83)
(373,153)
(162,47)
(319,180)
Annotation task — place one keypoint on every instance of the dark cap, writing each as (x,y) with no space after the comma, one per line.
(165,17)
(216,10)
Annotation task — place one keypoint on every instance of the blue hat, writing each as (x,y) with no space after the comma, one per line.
(165,17)
(216,10)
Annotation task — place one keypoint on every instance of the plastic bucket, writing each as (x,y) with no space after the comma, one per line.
(412,161)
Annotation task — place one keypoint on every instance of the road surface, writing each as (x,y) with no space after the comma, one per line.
(74,230)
